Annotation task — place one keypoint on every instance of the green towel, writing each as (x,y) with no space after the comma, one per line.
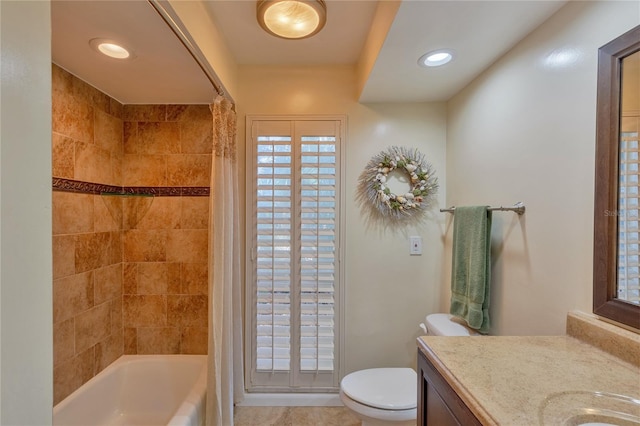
(471,266)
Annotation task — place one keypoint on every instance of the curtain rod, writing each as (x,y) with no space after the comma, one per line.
(193,50)
(517,207)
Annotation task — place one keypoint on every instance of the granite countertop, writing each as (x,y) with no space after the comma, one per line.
(507,380)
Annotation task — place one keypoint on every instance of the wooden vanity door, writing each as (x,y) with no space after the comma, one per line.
(438,404)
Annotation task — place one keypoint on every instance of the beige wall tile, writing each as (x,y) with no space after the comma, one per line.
(145,112)
(60,79)
(86,93)
(158,340)
(145,246)
(158,138)
(195,213)
(196,137)
(135,210)
(116,316)
(107,213)
(116,108)
(162,213)
(131,341)
(185,311)
(108,351)
(72,374)
(144,310)
(195,278)
(86,365)
(108,132)
(71,296)
(93,164)
(64,255)
(130,137)
(93,251)
(107,283)
(130,278)
(62,156)
(176,112)
(65,380)
(71,117)
(116,247)
(189,170)
(194,340)
(92,326)
(152,278)
(63,341)
(174,278)
(72,213)
(149,138)
(117,159)
(144,170)
(187,245)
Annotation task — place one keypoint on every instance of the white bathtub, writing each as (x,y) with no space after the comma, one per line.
(140,390)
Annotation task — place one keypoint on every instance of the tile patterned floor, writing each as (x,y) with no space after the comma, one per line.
(294,416)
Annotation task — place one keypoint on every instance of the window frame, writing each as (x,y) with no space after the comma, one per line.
(284,383)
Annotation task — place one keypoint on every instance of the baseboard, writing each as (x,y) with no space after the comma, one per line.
(291,400)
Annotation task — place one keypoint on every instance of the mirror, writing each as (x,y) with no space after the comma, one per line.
(616,275)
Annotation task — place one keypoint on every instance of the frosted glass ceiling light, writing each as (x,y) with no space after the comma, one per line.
(291,19)
(436,58)
(110,48)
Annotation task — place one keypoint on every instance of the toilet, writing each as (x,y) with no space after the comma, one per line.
(388,396)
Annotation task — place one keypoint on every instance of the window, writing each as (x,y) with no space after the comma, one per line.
(293,269)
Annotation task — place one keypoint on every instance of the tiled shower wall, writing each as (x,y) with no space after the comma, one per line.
(130,272)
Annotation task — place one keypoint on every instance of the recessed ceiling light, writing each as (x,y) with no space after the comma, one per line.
(111,48)
(436,58)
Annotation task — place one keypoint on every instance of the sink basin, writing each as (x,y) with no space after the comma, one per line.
(584,408)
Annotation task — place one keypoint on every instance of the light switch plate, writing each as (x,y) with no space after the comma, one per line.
(416,245)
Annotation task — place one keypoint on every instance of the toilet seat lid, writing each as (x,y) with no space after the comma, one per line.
(385,388)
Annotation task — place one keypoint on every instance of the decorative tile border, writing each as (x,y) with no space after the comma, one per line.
(68,185)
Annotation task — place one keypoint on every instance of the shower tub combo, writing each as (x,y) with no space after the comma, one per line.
(140,390)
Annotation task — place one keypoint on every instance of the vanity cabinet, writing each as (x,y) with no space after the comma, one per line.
(438,403)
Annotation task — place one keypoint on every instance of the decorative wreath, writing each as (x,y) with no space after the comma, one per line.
(373,189)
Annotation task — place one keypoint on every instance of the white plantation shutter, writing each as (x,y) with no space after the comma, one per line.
(317,251)
(629,212)
(293,271)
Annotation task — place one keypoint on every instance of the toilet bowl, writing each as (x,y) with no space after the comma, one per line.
(388,396)
(381,396)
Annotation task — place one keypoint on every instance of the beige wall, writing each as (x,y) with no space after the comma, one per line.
(525,131)
(387,291)
(26,349)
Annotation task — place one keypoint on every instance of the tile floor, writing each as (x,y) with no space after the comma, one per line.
(294,416)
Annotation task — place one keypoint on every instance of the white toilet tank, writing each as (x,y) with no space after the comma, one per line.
(447,325)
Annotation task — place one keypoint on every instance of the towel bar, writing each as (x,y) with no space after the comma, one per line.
(517,207)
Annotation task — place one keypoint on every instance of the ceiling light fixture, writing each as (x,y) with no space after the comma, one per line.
(291,19)
(111,48)
(436,58)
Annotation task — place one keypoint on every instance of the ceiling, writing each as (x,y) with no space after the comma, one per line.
(163,71)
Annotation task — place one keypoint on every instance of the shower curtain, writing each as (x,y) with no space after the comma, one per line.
(225,376)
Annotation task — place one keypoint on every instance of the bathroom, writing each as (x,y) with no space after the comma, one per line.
(512,134)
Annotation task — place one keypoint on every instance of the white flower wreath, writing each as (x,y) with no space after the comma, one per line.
(374,190)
